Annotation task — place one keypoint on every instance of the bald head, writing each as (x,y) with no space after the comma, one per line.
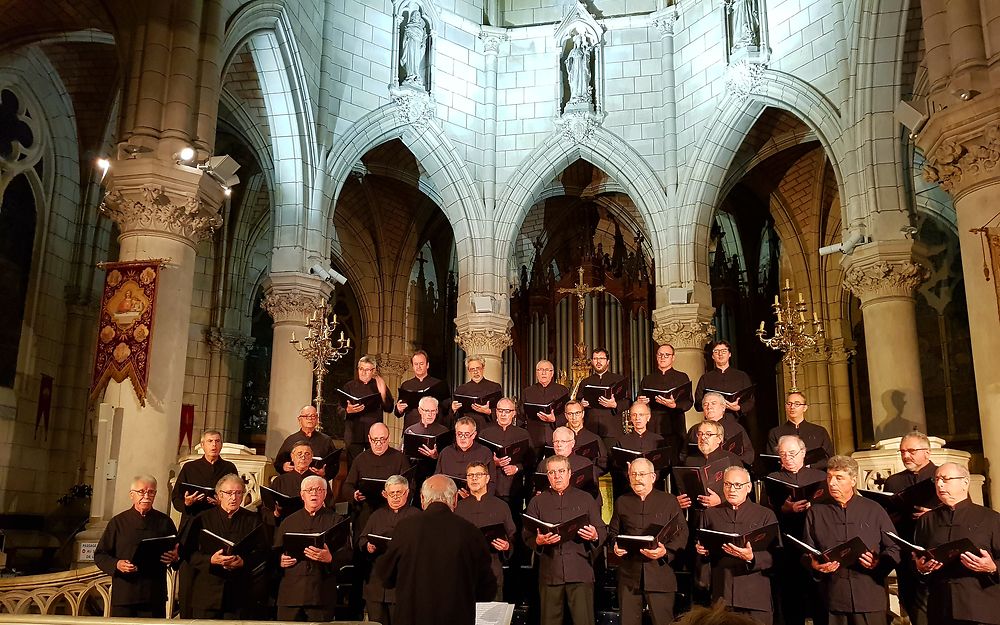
(439,488)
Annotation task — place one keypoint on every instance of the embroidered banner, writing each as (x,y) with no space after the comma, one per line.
(126,325)
(993,239)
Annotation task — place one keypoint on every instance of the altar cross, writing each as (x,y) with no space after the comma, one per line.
(580,289)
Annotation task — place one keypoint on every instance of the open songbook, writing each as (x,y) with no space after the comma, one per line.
(592,392)
(149,551)
(772,462)
(678,393)
(413,441)
(923,494)
(565,529)
(494,531)
(332,459)
(372,487)
(695,481)
(555,406)
(208,491)
(942,553)
(660,457)
(760,539)
(779,490)
(438,390)
(515,451)
(381,542)
(590,451)
(294,543)
(253,547)
(372,402)
(734,396)
(662,534)
(274,499)
(489,399)
(845,553)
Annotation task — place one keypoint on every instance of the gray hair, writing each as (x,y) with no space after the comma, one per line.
(791,438)
(475,358)
(642,462)
(367,360)
(843,463)
(428,402)
(718,427)
(207,433)
(551,460)
(431,491)
(713,394)
(917,434)
(143,479)
(396,480)
(227,478)
(735,468)
(313,479)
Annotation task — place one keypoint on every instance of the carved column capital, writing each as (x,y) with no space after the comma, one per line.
(484,333)
(293,297)
(229,342)
(960,162)
(664,21)
(883,270)
(685,326)
(393,365)
(492,37)
(148,196)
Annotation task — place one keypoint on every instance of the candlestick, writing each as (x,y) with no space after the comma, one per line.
(787,285)
(801,301)
(791,337)
(761,327)
(319,349)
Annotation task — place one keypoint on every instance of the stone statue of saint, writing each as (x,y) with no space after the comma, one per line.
(414,49)
(578,70)
(744,23)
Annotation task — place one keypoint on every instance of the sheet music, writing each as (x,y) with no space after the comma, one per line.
(494,613)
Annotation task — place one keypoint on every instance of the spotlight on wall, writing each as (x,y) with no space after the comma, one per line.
(185,155)
(222,169)
(132,151)
(912,114)
(328,274)
(104,165)
(853,239)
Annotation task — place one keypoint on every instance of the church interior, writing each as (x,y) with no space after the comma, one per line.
(438,173)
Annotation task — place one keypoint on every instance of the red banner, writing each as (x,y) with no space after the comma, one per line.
(126,326)
(44,406)
(187,426)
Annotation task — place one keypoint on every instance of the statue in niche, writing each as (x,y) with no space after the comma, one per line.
(414,51)
(744,23)
(578,71)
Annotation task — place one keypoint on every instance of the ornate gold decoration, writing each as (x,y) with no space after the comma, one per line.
(884,279)
(581,364)
(954,165)
(790,334)
(154,208)
(320,348)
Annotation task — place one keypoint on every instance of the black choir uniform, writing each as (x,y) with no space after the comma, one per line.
(732,428)
(912,586)
(959,596)
(200,472)
(577,463)
(412,414)
(729,381)
(425,465)
(640,579)
(510,488)
(478,389)
(797,593)
(439,564)
(541,431)
(321,445)
(379,599)
(645,442)
(565,569)
(585,437)
(308,590)
(453,461)
(813,435)
(607,422)
(143,593)
(667,422)
(287,484)
(367,464)
(853,594)
(356,425)
(219,593)
(484,512)
(714,482)
(744,586)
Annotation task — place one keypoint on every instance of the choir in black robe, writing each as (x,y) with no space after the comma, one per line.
(321,445)
(308,583)
(576,463)
(729,381)
(356,425)
(507,484)
(638,576)
(199,472)
(481,388)
(667,422)
(377,597)
(585,437)
(607,422)
(541,431)
(490,510)
(567,561)
(742,585)
(957,594)
(912,586)
(852,589)
(425,464)
(732,428)
(146,589)
(813,435)
(412,414)
(287,484)
(433,552)
(367,464)
(217,592)
(453,461)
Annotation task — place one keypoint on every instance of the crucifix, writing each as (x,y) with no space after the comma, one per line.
(581,366)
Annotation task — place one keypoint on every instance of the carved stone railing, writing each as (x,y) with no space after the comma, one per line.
(83,592)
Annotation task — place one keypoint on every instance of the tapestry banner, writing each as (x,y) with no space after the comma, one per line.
(125,332)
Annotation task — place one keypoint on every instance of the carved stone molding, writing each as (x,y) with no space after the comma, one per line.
(665,21)
(484,341)
(229,342)
(416,108)
(492,38)
(153,207)
(393,365)
(744,78)
(291,307)
(957,166)
(685,326)
(884,278)
(578,127)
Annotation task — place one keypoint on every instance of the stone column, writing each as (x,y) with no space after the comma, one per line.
(665,21)
(883,275)
(492,38)
(393,368)
(486,335)
(290,298)
(224,347)
(688,327)
(962,158)
(842,421)
(163,210)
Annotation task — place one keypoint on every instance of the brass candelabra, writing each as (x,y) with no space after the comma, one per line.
(320,348)
(790,335)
